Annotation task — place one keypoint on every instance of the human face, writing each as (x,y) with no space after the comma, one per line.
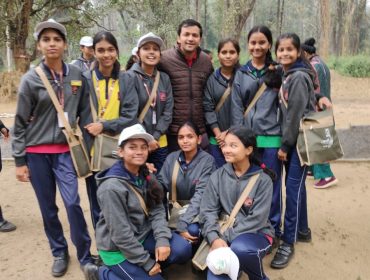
(286,53)
(258,45)
(105,53)
(188,140)
(149,54)
(51,44)
(87,52)
(228,56)
(234,150)
(134,153)
(189,39)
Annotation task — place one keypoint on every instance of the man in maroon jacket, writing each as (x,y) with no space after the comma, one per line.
(189,69)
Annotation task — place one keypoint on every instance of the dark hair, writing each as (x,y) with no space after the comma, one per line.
(248,138)
(131,61)
(192,126)
(155,192)
(267,32)
(309,46)
(109,37)
(189,22)
(55,30)
(236,45)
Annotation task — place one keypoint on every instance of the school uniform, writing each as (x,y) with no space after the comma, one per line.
(251,235)
(39,143)
(214,90)
(263,120)
(191,182)
(126,238)
(159,116)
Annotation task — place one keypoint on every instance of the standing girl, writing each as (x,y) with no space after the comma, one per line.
(114,108)
(251,235)
(262,117)
(40,148)
(132,236)
(156,116)
(217,100)
(194,166)
(296,99)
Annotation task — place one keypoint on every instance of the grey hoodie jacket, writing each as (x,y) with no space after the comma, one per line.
(123,225)
(36,120)
(190,183)
(220,196)
(163,104)
(298,91)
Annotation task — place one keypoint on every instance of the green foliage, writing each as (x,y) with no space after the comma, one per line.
(355,66)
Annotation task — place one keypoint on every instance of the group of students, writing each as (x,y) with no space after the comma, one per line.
(129,201)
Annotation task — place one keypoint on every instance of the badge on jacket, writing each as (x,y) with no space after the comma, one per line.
(162,96)
(75,84)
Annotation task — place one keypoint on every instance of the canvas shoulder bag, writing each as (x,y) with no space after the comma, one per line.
(200,257)
(139,197)
(76,143)
(255,99)
(223,99)
(151,98)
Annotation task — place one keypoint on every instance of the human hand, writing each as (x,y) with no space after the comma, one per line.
(218,243)
(94,128)
(155,269)
(189,237)
(324,103)
(5,133)
(154,145)
(151,167)
(162,253)
(282,155)
(22,173)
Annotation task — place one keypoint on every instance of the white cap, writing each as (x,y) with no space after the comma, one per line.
(134,51)
(86,41)
(50,23)
(223,261)
(136,131)
(150,37)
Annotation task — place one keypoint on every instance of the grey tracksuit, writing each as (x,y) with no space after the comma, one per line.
(82,63)
(163,103)
(36,120)
(222,193)
(190,183)
(123,225)
(298,91)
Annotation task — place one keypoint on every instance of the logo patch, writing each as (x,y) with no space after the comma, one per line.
(75,84)
(162,96)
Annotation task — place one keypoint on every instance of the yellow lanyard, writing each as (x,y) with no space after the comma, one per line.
(107,98)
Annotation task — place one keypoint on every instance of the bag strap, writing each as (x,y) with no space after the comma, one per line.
(54,99)
(93,110)
(282,98)
(140,197)
(223,98)
(152,96)
(252,181)
(255,98)
(175,172)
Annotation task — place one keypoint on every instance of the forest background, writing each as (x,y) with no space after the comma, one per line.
(340,27)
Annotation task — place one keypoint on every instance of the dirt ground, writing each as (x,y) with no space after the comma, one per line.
(339,216)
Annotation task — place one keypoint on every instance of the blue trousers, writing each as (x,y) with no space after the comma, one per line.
(216,152)
(92,188)
(47,171)
(250,248)
(180,253)
(270,159)
(296,199)
(158,157)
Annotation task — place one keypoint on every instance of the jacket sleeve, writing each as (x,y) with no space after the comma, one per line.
(237,100)
(24,110)
(165,118)
(209,105)
(161,232)
(119,228)
(84,112)
(164,176)
(129,106)
(298,97)
(209,211)
(194,205)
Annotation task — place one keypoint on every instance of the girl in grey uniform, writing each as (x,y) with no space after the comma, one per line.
(132,236)
(251,235)
(195,167)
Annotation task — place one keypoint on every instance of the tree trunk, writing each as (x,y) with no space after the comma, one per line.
(197,10)
(359,14)
(205,33)
(325,28)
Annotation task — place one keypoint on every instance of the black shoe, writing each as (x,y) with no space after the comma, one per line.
(304,236)
(60,265)
(6,226)
(91,271)
(283,255)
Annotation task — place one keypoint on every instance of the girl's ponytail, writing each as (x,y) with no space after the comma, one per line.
(155,190)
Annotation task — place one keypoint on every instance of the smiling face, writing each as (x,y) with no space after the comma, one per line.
(189,39)
(51,44)
(187,139)
(134,153)
(258,45)
(234,150)
(287,53)
(149,54)
(105,53)
(228,55)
